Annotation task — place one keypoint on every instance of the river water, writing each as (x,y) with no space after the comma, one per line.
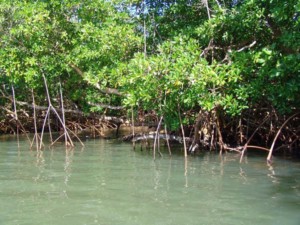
(106,182)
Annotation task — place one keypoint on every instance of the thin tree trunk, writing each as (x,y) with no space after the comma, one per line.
(218,3)
(221,143)
(43,127)
(49,127)
(75,136)
(218,127)
(68,140)
(145,33)
(15,114)
(246,145)
(165,127)
(184,142)
(212,138)
(207,8)
(132,125)
(63,113)
(36,136)
(18,122)
(48,110)
(182,131)
(156,138)
(196,132)
(167,139)
(64,127)
(240,127)
(277,135)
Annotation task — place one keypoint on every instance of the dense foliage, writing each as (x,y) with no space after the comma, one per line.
(233,61)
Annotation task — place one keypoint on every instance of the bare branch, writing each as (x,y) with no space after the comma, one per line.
(247,46)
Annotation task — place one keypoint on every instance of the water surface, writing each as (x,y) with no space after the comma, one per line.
(108,183)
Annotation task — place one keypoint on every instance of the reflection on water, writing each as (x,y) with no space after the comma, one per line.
(108,183)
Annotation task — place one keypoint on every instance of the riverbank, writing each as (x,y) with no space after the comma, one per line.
(270,133)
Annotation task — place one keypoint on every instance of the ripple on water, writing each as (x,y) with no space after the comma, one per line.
(108,183)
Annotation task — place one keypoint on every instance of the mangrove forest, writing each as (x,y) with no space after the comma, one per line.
(213,75)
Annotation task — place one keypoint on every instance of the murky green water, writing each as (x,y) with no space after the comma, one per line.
(108,183)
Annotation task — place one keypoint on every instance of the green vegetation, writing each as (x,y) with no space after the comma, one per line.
(223,67)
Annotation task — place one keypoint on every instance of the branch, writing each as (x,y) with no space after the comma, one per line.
(11,113)
(278,132)
(239,47)
(247,46)
(78,112)
(106,106)
(37,107)
(104,91)
(209,48)
(246,145)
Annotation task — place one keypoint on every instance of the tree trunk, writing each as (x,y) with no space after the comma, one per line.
(196,138)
